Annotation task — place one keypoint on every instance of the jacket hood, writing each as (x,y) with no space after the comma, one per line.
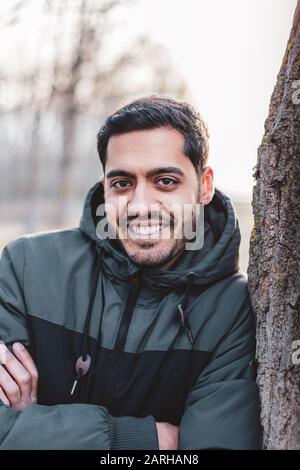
(217,259)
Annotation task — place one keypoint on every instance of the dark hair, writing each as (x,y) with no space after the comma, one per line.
(155,111)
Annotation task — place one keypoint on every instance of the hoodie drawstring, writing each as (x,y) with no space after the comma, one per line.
(84,361)
(183,308)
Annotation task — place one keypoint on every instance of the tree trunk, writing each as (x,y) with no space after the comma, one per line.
(274,265)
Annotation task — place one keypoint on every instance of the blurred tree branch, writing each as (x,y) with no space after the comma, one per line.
(82,67)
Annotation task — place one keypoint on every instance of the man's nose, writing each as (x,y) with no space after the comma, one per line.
(141,202)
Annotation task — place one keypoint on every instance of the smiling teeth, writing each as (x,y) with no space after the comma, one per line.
(146,230)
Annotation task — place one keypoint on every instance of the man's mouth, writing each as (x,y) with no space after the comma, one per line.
(145,229)
(149,231)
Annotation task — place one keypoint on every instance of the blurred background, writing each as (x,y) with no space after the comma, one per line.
(66,65)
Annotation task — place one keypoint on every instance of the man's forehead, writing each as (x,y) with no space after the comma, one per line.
(160,143)
(141,152)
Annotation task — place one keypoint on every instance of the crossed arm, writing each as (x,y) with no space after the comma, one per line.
(19,390)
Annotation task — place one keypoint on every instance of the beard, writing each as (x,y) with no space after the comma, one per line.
(148,255)
(162,253)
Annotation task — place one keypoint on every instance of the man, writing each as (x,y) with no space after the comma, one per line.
(135,341)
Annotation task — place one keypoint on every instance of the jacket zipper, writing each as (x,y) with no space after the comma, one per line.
(127,314)
(123,330)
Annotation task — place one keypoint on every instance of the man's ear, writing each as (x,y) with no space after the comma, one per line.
(207,185)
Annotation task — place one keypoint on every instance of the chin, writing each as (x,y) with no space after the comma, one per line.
(150,255)
(147,256)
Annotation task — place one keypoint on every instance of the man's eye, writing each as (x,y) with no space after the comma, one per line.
(167,182)
(120,184)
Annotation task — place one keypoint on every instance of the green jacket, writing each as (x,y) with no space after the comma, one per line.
(175,346)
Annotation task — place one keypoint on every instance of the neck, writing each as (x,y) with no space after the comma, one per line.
(171,262)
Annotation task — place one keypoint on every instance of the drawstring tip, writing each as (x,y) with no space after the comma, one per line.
(185,323)
(82,367)
(181,314)
(77,378)
(74,386)
(190,336)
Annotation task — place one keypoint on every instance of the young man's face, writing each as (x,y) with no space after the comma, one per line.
(146,176)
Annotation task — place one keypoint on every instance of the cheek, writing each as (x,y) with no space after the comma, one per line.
(177,200)
(187,192)
(190,192)
(115,205)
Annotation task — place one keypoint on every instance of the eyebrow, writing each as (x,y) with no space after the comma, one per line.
(153,172)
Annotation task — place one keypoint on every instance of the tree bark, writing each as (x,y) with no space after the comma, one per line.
(274,264)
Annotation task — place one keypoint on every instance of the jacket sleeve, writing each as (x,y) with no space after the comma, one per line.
(71,426)
(222,409)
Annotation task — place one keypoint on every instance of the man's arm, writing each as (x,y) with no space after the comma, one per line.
(18,390)
(73,426)
(222,409)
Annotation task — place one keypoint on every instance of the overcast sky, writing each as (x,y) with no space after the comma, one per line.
(230,54)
